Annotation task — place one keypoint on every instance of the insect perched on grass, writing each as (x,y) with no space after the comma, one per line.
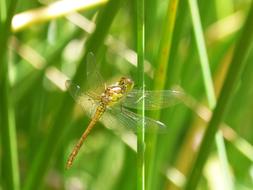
(115,99)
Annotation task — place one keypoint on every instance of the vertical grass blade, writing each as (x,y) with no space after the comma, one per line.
(159,84)
(206,73)
(9,162)
(141,80)
(232,79)
(165,46)
(198,33)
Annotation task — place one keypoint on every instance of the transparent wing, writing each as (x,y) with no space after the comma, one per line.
(114,115)
(94,80)
(153,99)
(85,100)
(132,120)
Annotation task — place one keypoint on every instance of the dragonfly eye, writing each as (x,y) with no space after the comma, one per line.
(122,81)
(126,83)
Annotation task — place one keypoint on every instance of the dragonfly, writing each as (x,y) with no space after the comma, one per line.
(116,99)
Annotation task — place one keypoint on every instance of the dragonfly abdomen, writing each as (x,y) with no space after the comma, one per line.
(99,112)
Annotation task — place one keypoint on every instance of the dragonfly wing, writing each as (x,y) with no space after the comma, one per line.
(87,103)
(94,80)
(73,89)
(114,114)
(132,120)
(153,99)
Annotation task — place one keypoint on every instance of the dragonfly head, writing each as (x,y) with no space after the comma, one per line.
(126,83)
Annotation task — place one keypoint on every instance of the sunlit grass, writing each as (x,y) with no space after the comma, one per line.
(52,11)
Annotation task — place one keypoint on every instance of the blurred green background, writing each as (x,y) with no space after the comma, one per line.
(203,48)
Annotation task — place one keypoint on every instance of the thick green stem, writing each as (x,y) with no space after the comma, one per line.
(141,80)
(9,161)
(159,84)
(209,88)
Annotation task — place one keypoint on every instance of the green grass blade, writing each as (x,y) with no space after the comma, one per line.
(9,162)
(198,33)
(165,46)
(206,73)
(223,158)
(230,83)
(141,80)
(8,135)
(160,77)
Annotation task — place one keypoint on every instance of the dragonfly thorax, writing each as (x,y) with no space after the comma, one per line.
(114,93)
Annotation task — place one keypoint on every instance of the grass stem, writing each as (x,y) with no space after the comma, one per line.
(141,80)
